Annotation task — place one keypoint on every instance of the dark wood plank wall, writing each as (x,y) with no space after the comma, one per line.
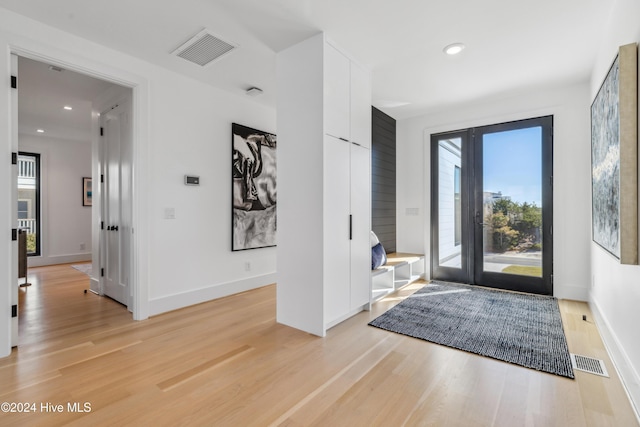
(383,178)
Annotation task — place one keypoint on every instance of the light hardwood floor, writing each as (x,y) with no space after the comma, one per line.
(228,363)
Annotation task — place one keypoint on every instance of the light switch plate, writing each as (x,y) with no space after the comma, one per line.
(169,213)
(413,211)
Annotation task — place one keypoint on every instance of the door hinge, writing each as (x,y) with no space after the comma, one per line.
(14,234)
(14,158)
(101,131)
(101,225)
(14,311)
(14,82)
(102,178)
(551,180)
(102,272)
(551,278)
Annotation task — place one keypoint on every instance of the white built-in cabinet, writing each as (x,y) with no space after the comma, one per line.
(324,186)
(347,89)
(346,224)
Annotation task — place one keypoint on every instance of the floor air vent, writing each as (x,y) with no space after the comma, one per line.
(204,48)
(589,364)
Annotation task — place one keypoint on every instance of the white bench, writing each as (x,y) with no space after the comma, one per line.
(400,270)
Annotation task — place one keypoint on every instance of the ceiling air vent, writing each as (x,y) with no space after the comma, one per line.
(204,48)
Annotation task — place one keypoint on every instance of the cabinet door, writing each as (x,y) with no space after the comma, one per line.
(360,107)
(336,229)
(361,226)
(336,93)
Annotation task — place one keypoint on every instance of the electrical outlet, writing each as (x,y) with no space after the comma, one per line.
(82,246)
(169,213)
(247,266)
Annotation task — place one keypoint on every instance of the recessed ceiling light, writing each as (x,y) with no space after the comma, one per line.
(66,107)
(40,130)
(453,49)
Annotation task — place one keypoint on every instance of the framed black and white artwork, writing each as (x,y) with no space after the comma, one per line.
(253,188)
(614,170)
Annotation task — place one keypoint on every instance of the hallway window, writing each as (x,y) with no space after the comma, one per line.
(29,199)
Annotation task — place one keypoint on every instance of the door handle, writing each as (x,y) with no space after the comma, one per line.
(478,220)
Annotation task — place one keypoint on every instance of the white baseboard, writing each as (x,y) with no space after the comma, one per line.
(621,362)
(575,293)
(185,299)
(346,316)
(94,285)
(40,261)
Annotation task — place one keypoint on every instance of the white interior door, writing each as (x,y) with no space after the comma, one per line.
(14,203)
(117,144)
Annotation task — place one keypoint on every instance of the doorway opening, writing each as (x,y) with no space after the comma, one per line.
(492,205)
(58,121)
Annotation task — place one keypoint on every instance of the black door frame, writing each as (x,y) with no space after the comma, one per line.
(472,208)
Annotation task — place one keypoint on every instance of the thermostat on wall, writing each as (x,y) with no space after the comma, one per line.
(191,180)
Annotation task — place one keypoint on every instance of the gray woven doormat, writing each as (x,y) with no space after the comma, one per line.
(523,329)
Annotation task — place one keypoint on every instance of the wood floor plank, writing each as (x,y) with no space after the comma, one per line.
(202,368)
(228,363)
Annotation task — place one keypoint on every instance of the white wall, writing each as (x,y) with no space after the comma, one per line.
(615,292)
(301,296)
(191,133)
(183,127)
(66,224)
(569,106)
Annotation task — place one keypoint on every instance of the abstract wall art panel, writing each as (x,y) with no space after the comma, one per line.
(614,171)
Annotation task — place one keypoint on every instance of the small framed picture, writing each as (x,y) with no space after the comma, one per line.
(87,192)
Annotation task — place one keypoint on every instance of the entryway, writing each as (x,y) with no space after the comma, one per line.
(492,205)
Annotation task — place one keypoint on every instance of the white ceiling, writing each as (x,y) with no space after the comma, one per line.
(510,44)
(42,95)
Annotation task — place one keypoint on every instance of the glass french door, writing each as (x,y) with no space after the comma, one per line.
(492,206)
